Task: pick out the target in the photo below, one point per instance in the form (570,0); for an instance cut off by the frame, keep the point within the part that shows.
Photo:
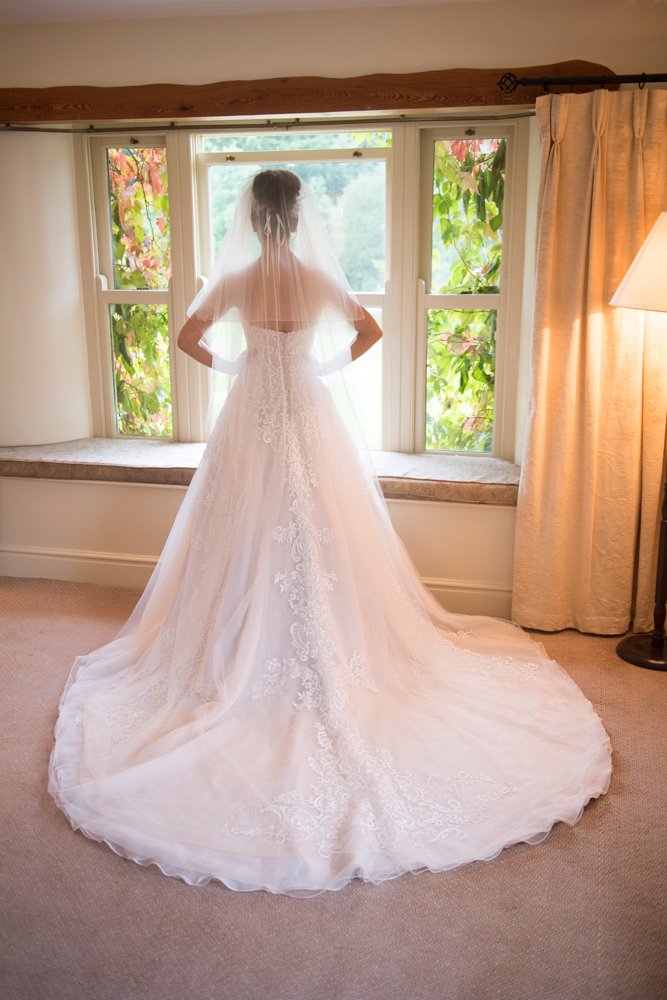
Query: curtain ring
(545,85)
(642,83)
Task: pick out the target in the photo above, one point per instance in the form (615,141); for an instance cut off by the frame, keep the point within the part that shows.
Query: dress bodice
(297,343)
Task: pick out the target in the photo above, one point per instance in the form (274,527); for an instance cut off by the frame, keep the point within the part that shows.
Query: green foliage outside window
(461,355)
(141,247)
(350,194)
(140,336)
(468,199)
(139,206)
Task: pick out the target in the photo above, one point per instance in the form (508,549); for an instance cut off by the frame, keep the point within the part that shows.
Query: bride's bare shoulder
(315,278)
(239,279)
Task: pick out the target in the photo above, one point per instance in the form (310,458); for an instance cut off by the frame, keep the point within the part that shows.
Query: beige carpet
(580,917)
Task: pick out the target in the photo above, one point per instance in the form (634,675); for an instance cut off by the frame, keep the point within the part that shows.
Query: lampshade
(645,284)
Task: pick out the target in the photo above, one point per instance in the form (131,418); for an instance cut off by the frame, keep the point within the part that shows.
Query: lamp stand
(648,649)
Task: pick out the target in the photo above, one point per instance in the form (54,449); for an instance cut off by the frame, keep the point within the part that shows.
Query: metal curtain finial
(508,82)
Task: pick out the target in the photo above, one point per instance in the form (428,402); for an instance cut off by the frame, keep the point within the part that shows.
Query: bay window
(428,224)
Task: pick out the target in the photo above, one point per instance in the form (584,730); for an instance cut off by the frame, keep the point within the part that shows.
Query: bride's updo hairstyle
(275,195)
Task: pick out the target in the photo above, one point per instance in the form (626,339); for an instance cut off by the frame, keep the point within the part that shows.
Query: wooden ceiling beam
(299,95)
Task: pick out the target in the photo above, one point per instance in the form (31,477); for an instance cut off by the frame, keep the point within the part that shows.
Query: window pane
(460,375)
(139,207)
(468,195)
(140,342)
(351,196)
(295,140)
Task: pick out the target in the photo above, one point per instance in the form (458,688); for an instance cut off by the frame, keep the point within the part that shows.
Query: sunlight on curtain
(590,489)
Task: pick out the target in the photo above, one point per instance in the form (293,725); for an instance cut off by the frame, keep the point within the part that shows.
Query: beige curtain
(591,481)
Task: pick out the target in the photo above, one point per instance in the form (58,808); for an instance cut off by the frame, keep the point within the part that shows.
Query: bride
(288,708)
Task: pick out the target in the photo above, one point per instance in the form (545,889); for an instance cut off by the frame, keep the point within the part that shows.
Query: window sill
(440,478)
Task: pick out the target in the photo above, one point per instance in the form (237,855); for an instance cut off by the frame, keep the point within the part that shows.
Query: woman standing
(287,707)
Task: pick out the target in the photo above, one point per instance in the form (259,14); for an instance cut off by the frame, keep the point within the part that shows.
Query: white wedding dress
(288,708)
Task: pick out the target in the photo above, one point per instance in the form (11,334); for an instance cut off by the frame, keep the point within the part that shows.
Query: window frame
(106,294)
(202,161)
(404,300)
(508,300)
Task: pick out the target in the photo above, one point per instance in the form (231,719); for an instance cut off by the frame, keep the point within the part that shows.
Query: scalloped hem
(355,872)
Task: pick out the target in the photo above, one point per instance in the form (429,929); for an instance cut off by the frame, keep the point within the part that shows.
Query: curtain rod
(267,125)
(509,82)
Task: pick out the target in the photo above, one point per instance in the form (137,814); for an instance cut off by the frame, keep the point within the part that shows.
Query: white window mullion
(189,379)
(371,300)
(294,155)
(399,348)
(419,401)
(105,354)
(88,249)
(512,305)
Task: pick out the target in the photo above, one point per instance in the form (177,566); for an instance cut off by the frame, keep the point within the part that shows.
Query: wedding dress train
(288,708)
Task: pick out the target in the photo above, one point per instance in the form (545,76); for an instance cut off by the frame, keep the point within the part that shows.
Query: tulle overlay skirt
(287,707)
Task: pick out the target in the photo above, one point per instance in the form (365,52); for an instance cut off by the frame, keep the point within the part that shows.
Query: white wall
(113,533)
(629,37)
(464,552)
(43,366)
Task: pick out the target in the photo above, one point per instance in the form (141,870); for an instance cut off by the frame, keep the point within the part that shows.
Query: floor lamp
(645,287)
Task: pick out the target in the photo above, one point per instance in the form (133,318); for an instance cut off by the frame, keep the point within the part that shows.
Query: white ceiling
(18,11)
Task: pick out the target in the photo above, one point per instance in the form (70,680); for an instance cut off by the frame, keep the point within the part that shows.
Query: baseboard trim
(77,565)
(132,570)
(474,586)
(82,555)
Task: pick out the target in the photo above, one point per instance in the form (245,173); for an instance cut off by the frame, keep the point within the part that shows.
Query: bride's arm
(189,341)
(342,302)
(368,333)
(217,302)
(213,301)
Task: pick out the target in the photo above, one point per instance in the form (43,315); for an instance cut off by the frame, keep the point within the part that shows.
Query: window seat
(445,478)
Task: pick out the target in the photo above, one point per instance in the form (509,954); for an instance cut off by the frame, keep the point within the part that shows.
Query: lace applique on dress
(282,386)
(360,791)
(506,669)
(278,676)
(358,788)
(308,584)
(124,720)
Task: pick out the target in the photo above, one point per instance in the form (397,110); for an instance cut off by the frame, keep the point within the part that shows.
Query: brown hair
(274,202)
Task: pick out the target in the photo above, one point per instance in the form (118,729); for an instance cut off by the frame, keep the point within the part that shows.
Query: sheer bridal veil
(276,270)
